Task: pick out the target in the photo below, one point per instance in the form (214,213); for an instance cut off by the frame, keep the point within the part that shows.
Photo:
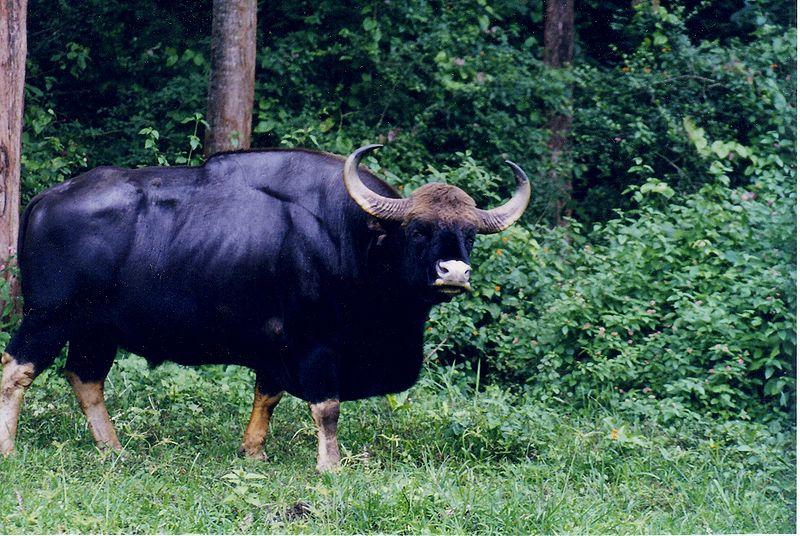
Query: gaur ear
(375,226)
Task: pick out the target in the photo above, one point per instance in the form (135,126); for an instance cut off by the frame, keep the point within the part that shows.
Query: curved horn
(504,216)
(385,208)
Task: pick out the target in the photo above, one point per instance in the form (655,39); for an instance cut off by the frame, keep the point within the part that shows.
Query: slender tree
(13,49)
(559,24)
(233,63)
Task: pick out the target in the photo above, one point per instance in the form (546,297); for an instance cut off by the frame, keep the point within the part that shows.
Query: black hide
(256,258)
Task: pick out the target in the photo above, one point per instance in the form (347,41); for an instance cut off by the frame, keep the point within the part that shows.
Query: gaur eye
(420,233)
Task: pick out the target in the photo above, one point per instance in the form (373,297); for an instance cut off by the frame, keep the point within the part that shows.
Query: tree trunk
(233,64)
(13,49)
(559,23)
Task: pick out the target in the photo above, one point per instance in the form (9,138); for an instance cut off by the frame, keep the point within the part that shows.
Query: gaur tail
(23,225)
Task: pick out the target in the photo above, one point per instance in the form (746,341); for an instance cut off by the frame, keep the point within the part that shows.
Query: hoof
(253,454)
(329,467)
(6,446)
(112,454)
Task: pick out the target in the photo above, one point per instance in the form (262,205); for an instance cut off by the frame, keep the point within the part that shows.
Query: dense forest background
(670,291)
(626,362)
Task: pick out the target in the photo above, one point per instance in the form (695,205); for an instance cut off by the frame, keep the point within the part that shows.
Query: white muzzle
(454,274)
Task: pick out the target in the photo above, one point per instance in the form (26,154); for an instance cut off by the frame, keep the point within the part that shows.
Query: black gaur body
(265,259)
(258,259)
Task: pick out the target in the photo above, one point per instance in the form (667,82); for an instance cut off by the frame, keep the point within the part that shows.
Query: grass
(439,459)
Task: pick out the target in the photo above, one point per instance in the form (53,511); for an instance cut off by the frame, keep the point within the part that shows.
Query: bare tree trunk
(233,64)
(559,24)
(13,49)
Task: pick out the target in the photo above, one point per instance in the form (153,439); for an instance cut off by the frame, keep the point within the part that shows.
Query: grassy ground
(437,460)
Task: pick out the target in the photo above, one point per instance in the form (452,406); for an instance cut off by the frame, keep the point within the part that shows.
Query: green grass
(441,459)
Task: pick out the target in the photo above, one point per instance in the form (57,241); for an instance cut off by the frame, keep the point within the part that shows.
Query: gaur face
(439,223)
(439,231)
(436,258)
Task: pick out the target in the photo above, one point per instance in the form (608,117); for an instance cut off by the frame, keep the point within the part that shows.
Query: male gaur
(307,269)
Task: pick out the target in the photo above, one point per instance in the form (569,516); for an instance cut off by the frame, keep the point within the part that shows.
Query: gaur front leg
(263,406)
(326,419)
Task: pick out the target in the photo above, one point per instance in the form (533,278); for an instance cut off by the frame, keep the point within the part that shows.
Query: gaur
(304,267)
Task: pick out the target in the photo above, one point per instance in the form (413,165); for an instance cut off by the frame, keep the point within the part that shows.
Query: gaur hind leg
(89,359)
(264,402)
(31,350)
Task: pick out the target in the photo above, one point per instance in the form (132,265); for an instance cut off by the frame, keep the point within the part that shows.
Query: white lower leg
(16,380)
(326,419)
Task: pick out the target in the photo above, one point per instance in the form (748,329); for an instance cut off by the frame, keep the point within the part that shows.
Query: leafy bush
(51,152)
(687,303)
(430,80)
(738,90)
(8,314)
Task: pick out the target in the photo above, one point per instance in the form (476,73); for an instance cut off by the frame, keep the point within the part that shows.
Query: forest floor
(435,460)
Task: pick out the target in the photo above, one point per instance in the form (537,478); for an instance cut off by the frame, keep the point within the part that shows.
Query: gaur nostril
(453,271)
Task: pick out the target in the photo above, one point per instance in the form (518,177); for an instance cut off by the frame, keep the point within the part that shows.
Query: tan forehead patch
(442,202)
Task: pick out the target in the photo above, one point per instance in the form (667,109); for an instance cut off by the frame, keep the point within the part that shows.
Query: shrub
(431,80)
(740,89)
(688,303)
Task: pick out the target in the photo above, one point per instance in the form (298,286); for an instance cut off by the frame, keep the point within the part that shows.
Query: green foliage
(429,81)
(50,153)
(9,318)
(674,308)
(183,156)
(739,90)
(432,82)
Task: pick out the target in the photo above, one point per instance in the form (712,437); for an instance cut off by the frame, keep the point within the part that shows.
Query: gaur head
(437,227)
